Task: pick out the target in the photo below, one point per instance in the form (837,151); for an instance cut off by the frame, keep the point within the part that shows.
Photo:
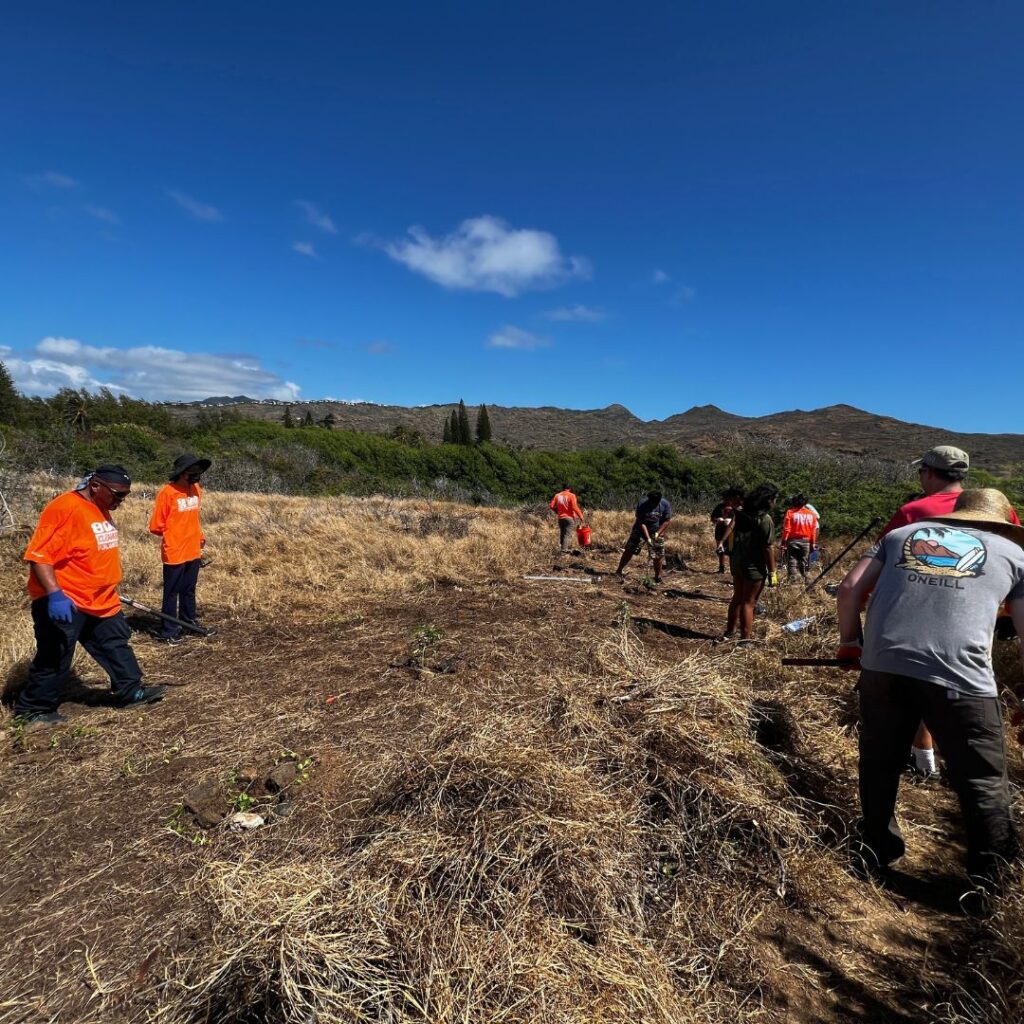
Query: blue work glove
(60,606)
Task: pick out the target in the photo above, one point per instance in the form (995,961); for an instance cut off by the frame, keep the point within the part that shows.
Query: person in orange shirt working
(75,564)
(567,508)
(175,520)
(799,535)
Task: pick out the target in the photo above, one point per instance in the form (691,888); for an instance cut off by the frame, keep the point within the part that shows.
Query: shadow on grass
(694,595)
(671,629)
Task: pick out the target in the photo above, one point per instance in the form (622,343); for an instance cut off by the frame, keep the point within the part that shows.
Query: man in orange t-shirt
(567,508)
(75,562)
(799,535)
(175,521)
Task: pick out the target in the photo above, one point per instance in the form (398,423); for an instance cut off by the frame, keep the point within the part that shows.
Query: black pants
(105,639)
(968,731)
(180,594)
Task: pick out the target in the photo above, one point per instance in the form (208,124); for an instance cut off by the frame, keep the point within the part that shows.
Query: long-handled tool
(139,606)
(831,565)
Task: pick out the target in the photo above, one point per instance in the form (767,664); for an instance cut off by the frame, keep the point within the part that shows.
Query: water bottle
(799,624)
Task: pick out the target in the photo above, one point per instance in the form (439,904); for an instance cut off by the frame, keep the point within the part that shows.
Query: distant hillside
(702,430)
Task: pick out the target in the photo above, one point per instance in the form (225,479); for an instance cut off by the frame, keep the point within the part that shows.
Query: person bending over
(653,515)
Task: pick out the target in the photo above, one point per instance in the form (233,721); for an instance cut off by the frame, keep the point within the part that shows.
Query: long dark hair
(757,502)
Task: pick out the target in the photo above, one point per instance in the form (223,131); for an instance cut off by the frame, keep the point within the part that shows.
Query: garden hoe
(192,627)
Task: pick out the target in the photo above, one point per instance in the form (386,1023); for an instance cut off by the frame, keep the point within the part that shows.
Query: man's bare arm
(859,581)
(46,576)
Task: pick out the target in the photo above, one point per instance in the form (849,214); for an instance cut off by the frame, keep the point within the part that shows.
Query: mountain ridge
(702,429)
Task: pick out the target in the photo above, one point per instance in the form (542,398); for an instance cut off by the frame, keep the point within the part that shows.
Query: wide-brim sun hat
(987,509)
(183,463)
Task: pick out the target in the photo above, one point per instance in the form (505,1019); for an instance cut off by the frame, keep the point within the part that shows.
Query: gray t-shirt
(934,606)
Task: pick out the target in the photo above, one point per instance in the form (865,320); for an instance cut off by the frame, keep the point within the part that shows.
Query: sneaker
(144,695)
(865,868)
(41,718)
(171,641)
(917,777)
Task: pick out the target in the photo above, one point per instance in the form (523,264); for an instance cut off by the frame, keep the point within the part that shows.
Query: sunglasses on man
(115,494)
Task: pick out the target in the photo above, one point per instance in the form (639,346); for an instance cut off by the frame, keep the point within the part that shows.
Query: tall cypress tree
(447,436)
(453,427)
(288,421)
(483,426)
(10,400)
(465,434)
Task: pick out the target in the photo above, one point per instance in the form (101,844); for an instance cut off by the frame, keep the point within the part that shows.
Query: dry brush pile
(598,854)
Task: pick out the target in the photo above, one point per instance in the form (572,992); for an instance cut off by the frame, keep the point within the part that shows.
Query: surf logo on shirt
(106,535)
(189,504)
(943,551)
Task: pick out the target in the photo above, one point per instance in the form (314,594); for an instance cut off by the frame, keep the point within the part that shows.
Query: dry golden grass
(571,818)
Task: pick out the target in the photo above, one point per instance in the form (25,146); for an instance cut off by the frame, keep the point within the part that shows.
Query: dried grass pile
(597,854)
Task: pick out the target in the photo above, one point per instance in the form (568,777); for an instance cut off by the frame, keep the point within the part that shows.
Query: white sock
(924,759)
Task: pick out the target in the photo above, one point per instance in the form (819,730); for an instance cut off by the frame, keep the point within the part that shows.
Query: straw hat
(987,509)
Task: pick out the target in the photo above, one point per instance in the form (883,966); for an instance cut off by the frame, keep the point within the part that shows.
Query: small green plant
(623,615)
(303,766)
(54,742)
(244,802)
(647,582)
(18,730)
(425,637)
(130,765)
(178,825)
(173,751)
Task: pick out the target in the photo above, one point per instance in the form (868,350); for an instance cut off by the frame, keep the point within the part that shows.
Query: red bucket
(583,536)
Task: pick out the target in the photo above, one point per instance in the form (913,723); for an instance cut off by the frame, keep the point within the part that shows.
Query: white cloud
(51,179)
(660,277)
(577,314)
(306,248)
(102,213)
(317,217)
(145,371)
(682,295)
(487,255)
(194,208)
(516,337)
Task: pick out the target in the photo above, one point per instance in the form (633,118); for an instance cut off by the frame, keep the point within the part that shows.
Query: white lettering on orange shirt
(106,535)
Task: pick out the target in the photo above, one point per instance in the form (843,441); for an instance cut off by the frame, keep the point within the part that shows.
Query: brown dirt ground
(97,855)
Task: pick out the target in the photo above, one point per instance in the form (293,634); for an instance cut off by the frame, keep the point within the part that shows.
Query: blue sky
(761,206)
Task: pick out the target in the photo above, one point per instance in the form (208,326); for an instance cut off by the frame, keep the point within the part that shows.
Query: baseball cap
(944,457)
